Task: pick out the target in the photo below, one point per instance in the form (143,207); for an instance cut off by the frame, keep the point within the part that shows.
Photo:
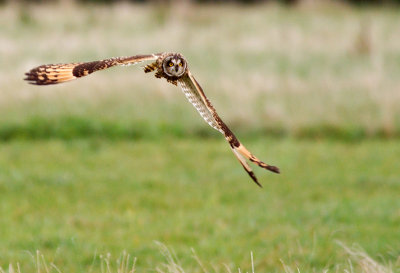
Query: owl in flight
(171,66)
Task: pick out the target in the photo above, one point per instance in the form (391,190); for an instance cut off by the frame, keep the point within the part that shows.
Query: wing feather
(195,99)
(195,94)
(58,73)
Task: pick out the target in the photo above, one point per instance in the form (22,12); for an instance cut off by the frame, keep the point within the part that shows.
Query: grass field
(77,198)
(120,160)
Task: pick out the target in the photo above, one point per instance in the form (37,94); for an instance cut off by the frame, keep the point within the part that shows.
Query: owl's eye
(171,64)
(180,64)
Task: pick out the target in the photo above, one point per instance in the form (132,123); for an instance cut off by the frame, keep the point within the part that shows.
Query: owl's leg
(150,67)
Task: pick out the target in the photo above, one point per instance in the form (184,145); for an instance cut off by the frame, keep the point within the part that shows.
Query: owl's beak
(176,68)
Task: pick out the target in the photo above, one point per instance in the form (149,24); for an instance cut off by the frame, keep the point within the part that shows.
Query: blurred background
(117,160)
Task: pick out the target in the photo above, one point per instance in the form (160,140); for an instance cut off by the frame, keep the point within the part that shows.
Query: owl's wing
(195,94)
(58,73)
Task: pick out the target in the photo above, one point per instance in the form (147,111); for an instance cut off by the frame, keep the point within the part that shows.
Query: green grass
(73,199)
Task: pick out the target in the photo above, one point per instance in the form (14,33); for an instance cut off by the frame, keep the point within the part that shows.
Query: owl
(171,66)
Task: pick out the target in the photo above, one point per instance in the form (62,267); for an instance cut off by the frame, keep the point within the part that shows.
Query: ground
(72,200)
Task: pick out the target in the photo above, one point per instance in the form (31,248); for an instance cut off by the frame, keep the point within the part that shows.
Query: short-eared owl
(171,66)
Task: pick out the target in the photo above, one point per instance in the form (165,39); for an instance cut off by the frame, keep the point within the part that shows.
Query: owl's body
(171,66)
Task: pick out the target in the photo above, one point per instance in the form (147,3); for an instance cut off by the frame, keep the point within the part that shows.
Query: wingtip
(273,169)
(30,81)
(258,184)
(254,178)
(29,78)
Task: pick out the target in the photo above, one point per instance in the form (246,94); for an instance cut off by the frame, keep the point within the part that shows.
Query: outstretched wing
(58,73)
(195,94)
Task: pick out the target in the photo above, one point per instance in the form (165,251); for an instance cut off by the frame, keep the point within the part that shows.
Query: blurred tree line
(288,2)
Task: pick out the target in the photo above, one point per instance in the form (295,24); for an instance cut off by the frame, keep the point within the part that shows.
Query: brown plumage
(58,73)
(171,66)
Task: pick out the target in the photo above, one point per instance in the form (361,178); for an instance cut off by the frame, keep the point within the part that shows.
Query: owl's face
(174,65)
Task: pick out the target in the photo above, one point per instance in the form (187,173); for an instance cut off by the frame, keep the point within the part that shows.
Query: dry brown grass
(357,261)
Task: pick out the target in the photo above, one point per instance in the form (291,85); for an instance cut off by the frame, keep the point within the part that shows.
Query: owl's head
(174,65)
